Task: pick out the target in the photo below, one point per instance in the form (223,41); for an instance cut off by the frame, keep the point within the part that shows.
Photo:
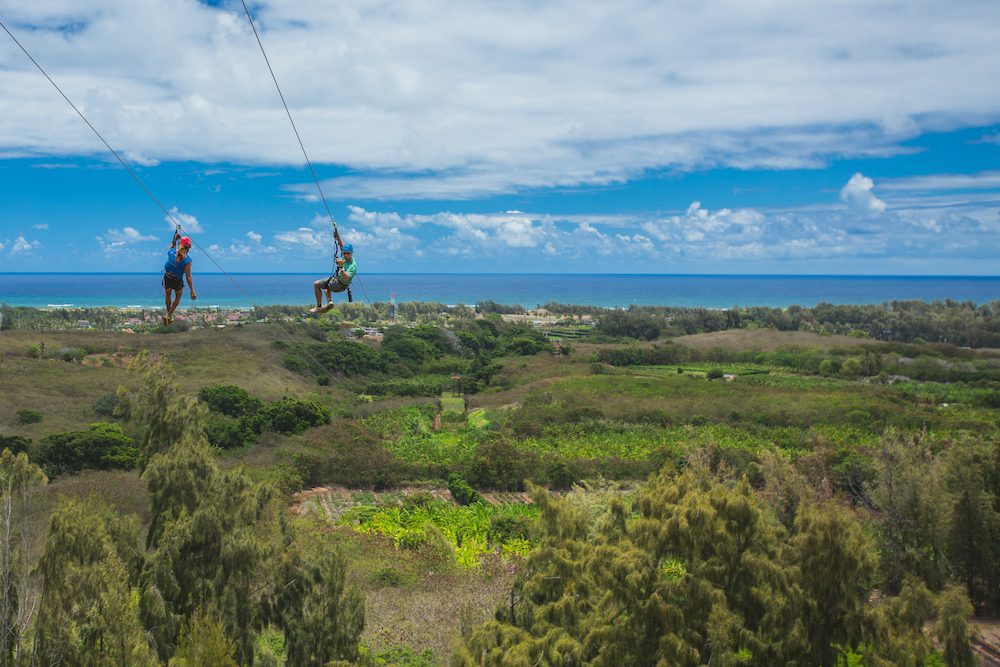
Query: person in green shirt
(338,282)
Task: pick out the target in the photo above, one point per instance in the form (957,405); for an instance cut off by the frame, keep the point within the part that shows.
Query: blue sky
(630,137)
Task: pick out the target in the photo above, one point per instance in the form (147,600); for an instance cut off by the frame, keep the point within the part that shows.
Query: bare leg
(319,296)
(166,301)
(173,306)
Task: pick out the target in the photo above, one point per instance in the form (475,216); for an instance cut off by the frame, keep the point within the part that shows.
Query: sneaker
(170,320)
(165,322)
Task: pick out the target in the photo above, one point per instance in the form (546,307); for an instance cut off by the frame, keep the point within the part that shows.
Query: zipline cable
(156,200)
(274,78)
(84,118)
(290,120)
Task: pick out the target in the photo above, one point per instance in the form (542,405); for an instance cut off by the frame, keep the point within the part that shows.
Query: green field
(372,483)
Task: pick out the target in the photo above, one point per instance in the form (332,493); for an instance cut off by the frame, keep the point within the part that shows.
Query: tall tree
(952,628)
(167,414)
(912,498)
(835,560)
(974,536)
(204,642)
(18,591)
(215,538)
(322,616)
(691,574)
(89,613)
(214,534)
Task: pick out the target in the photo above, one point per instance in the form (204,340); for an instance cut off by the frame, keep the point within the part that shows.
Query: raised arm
(177,236)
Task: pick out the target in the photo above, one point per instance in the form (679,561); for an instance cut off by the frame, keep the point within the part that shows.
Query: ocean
(243,290)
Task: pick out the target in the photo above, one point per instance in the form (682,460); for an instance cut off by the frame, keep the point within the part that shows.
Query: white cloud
(22,245)
(141,160)
(985,180)
(526,95)
(859,196)
(254,236)
(188,222)
(42,226)
(309,238)
(117,239)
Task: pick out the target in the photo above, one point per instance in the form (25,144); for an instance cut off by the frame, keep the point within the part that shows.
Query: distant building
(83,324)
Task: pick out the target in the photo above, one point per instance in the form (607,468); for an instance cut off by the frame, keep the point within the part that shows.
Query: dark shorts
(332,284)
(170,281)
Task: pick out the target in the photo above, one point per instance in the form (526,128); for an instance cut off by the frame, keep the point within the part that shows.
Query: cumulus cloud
(859,196)
(597,97)
(466,232)
(116,239)
(189,223)
(254,236)
(22,245)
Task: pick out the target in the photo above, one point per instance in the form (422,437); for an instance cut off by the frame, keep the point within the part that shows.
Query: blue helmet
(348,248)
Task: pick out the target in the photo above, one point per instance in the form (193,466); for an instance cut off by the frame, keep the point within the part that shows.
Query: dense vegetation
(808,500)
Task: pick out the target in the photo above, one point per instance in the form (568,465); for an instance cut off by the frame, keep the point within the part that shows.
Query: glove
(340,261)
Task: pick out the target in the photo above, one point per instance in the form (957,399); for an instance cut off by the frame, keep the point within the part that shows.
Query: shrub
(388,576)
(501,466)
(715,374)
(342,356)
(630,324)
(561,474)
(102,446)
(657,355)
(228,433)
(411,349)
(230,400)
(28,417)
(355,460)
(523,345)
(461,491)
(503,529)
(71,354)
(294,364)
(431,385)
(829,366)
(15,443)
(289,415)
(107,404)
(851,367)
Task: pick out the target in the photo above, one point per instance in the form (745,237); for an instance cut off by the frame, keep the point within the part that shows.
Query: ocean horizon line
(521,273)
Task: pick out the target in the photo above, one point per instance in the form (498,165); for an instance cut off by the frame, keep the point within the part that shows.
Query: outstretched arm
(177,236)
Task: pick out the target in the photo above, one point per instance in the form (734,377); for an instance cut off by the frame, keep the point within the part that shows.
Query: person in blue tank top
(339,281)
(177,267)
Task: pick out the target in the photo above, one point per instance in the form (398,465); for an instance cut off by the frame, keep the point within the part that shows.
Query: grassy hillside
(374,482)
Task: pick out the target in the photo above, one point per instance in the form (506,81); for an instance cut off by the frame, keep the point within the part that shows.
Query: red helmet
(185,241)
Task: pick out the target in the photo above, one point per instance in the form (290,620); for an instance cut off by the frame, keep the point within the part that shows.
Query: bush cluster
(237,417)
(461,491)
(29,417)
(102,446)
(229,400)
